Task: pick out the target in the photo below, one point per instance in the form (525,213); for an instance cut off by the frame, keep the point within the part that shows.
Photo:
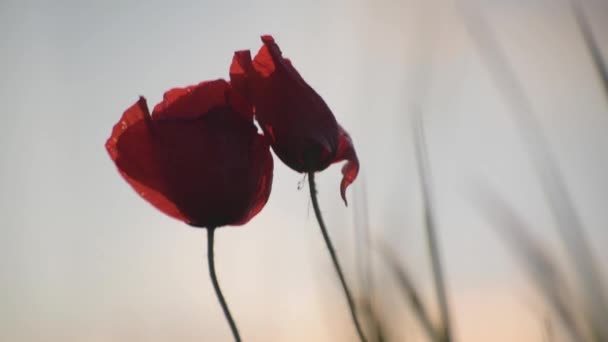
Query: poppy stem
(216,285)
(334,257)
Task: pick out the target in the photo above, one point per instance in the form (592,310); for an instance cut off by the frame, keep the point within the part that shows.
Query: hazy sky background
(83,258)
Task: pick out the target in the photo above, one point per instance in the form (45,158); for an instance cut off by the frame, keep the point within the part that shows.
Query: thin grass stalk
(591,43)
(363,240)
(420,90)
(411,294)
(424,172)
(365,264)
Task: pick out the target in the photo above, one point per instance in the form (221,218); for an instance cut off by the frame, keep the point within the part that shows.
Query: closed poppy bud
(197,158)
(301,128)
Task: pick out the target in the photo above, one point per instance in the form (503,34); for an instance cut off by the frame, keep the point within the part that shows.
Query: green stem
(334,257)
(216,285)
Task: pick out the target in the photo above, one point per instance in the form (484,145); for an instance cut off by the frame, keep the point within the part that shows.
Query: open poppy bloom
(300,126)
(197,158)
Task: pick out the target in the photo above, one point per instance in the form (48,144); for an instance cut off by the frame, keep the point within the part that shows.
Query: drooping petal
(346,151)
(131,146)
(302,129)
(297,122)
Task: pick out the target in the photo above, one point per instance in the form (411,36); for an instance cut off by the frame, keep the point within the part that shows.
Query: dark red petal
(240,70)
(261,169)
(133,150)
(210,163)
(346,151)
(241,63)
(268,56)
(302,129)
(193,101)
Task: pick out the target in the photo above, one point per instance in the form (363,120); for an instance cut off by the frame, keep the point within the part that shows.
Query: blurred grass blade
(548,330)
(363,257)
(552,182)
(365,264)
(424,172)
(431,30)
(590,43)
(410,293)
(540,266)
(373,320)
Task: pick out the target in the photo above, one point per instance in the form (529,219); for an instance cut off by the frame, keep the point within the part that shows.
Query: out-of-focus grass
(577,312)
(591,43)
(570,227)
(412,295)
(440,332)
(542,267)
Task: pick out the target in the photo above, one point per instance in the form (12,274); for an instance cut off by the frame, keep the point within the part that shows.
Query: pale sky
(83,258)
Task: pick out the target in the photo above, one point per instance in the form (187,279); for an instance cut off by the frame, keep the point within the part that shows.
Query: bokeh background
(83,258)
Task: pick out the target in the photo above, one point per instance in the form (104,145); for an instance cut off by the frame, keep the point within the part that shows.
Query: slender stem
(334,257)
(216,285)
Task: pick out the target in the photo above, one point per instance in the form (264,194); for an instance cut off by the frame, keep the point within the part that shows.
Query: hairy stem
(216,285)
(334,257)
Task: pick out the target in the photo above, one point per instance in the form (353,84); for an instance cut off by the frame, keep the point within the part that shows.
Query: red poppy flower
(302,129)
(197,158)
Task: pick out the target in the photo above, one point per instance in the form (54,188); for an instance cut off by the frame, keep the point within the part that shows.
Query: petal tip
(241,63)
(243,54)
(267,38)
(135,113)
(143,104)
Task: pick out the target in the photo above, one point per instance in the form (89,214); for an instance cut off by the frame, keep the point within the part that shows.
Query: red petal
(300,124)
(268,55)
(240,70)
(262,168)
(346,151)
(198,158)
(241,63)
(132,149)
(213,165)
(193,101)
